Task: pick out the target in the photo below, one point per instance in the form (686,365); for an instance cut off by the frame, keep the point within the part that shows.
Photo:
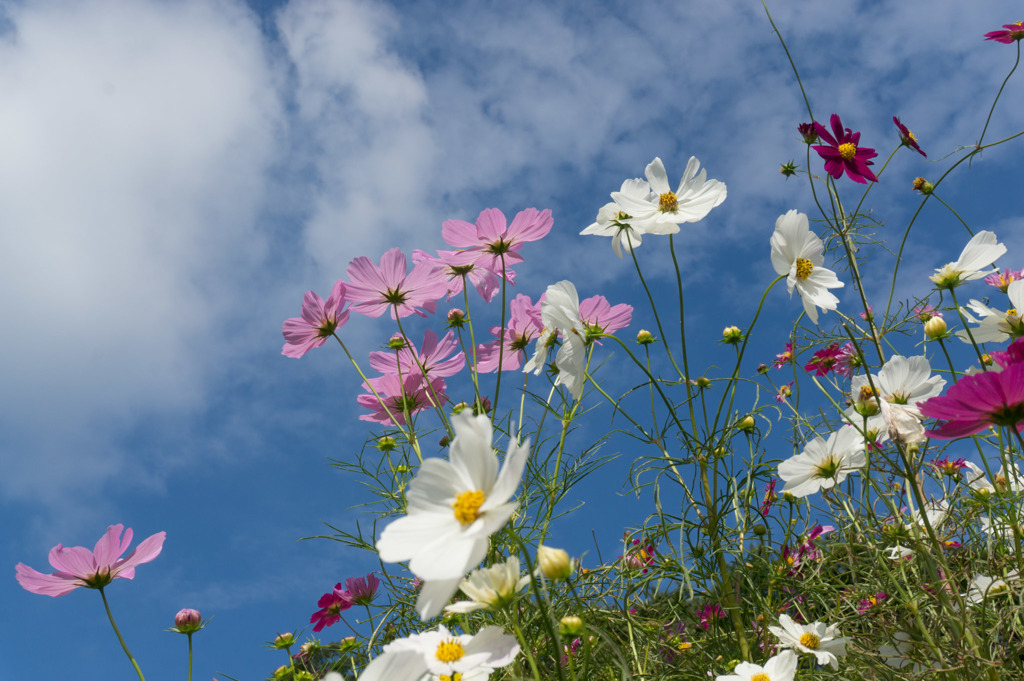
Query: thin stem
(110,616)
(998,94)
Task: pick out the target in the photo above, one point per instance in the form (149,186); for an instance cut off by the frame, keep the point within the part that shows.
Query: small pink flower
(78,566)
(842,154)
(188,621)
(871,602)
(847,361)
(410,393)
(947,467)
(709,613)
(374,290)
(1010,33)
(494,244)
(769,497)
(524,326)
(784,357)
(1002,280)
(331,604)
(361,590)
(432,357)
(640,555)
(318,321)
(823,361)
(926,312)
(907,138)
(600,317)
(784,392)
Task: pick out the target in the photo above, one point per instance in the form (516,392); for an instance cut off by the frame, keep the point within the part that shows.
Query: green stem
(998,94)
(110,616)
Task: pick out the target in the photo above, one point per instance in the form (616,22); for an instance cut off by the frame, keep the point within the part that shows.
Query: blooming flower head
(318,321)
(892,404)
(977,402)
(361,590)
(784,357)
(560,313)
(709,614)
(816,639)
(1011,33)
(798,254)
(842,154)
(663,210)
(391,287)
(948,468)
(984,587)
(784,392)
(78,566)
(907,138)
(400,396)
(639,554)
(1002,280)
(980,252)
(524,326)
(600,317)
(823,463)
(823,361)
(995,326)
(459,267)
(614,221)
(871,602)
(440,654)
(782,667)
(491,587)
(492,243)
(769,497)
(453,507)
(331,604)
(432,358)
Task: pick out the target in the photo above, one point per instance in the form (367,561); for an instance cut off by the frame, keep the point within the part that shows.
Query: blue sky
(175,175)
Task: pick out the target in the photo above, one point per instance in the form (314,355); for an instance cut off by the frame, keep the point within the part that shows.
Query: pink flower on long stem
(841,152)
(361,590)
(410,393)
(374,290)
(318,321)
(331,604)
(78,566)
(601,317)
(784,357)
(989,398)
(709,613)
(823,361)
(907,138)
(494,243)
(1002,280)
(459,266)
(432,358)
(524,326)
(1010,33)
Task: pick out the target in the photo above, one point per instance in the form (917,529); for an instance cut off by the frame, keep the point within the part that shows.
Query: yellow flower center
(847,150)
(866,393)
(804,267)
(454,677)
(467,507)
(760,676)
(1012,312)
(809,640)
(622,216)
(449,651)
(667,202)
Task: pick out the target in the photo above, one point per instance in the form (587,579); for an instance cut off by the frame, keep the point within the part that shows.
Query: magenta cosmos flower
(78,566)
(1010,33)
(907,138)
(318,321)
(989,398)
(361,590)
(331,604)
(373,290)
(841,152)
(494,243)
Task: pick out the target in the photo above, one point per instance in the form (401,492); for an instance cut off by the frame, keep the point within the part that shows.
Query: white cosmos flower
(934,512)
(560,313)
(898,552)
(613,219)
(984,587)
(902,383)
(442,655)
(816,639)
(782,667)
(491,587)
(995,326)
(1012,481)
(664,210)
(980,252)
(823,463)
(898,656)
(453,507)
(798,254)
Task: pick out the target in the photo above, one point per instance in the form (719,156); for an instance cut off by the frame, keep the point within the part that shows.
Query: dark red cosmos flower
(1011,33)
(841,152)
(907,138)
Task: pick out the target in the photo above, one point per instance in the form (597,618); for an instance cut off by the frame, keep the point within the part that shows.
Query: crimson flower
(824,360)
(907,138)
(331,604)
(841,152)
(78,566)
(989,398)
(318,321)
(1011,33)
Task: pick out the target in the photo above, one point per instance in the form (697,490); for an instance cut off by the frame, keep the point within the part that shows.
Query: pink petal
(459,233)
(490,225)
(530,225)
(54,585)
(75,560)
(393,267)
(145,552)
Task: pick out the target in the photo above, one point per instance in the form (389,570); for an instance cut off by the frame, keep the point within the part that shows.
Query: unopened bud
(986,359)
(396,342)
(553,563)
(746,423)
(188,621)
(386,443)
(732,335)
(935,328)
(808,132)
(644,337)
(787,169)
(570,625)
(285,640)
(456,317)
(702,382)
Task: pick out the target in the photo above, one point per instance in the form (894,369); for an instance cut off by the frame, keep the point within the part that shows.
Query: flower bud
(760,530)
(746,423)
(808,132)
(456,317)
(787,169)
(762,369)
(732,335)
(570,625)
(396,342)
(702,382)
(285,640)
(644,337)
(986,359)
(935,328)
(188,621)
(922,185)
(553,563)
(386,443)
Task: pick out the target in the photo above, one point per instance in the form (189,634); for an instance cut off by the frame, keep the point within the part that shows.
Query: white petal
(450,559)
(405,665)
(433,597)
(511,473)
(404,537)
(657,177)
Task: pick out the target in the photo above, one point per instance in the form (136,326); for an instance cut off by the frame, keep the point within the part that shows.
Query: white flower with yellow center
(815,639)
(782,667)
(560,314)
(995,326)
(980,252)
(823,463)
(1003,481)
(492,587)
(453,507)
(663,210)
(984,587)
(613,220)
(442,656)
(798,254)
(901,383)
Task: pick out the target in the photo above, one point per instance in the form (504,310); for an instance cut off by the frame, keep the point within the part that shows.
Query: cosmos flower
(432,358)
(995,326)
(1002,280)
(396,395)
(983,587)
(663,210)
(560,313)
(523,327)
(78,566)
(391,287)
(907,138)
(492,587)
(1011,33)
(842,154)
(458,267)
(798,254)
(600,317)
(980,252)
(331,604)
(871,602)
(318,321)
(823,463)
(361,590)
(440,654)
(824,360)
(782,667)
(614,221)
(492,243)
(977,402)
(785,357)
(816,639)
(453,507)
(901,384)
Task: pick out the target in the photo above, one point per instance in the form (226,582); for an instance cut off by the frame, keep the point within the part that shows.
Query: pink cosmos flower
(1002,280)
(493,243)
(457,267)
(374,290)
(640,555)
(926,312)
(1010,34)
(871,602)
(524,326)
(432,357)
(824,360)
(331,604)
(410,393)
(784,392)
(78,566)
(989,398)
(362,590)
(841,152)
(847,361)
(601,317)
(769,497)
(318,321)
(784,357)
(807,132)
(907,138)
(709,613)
